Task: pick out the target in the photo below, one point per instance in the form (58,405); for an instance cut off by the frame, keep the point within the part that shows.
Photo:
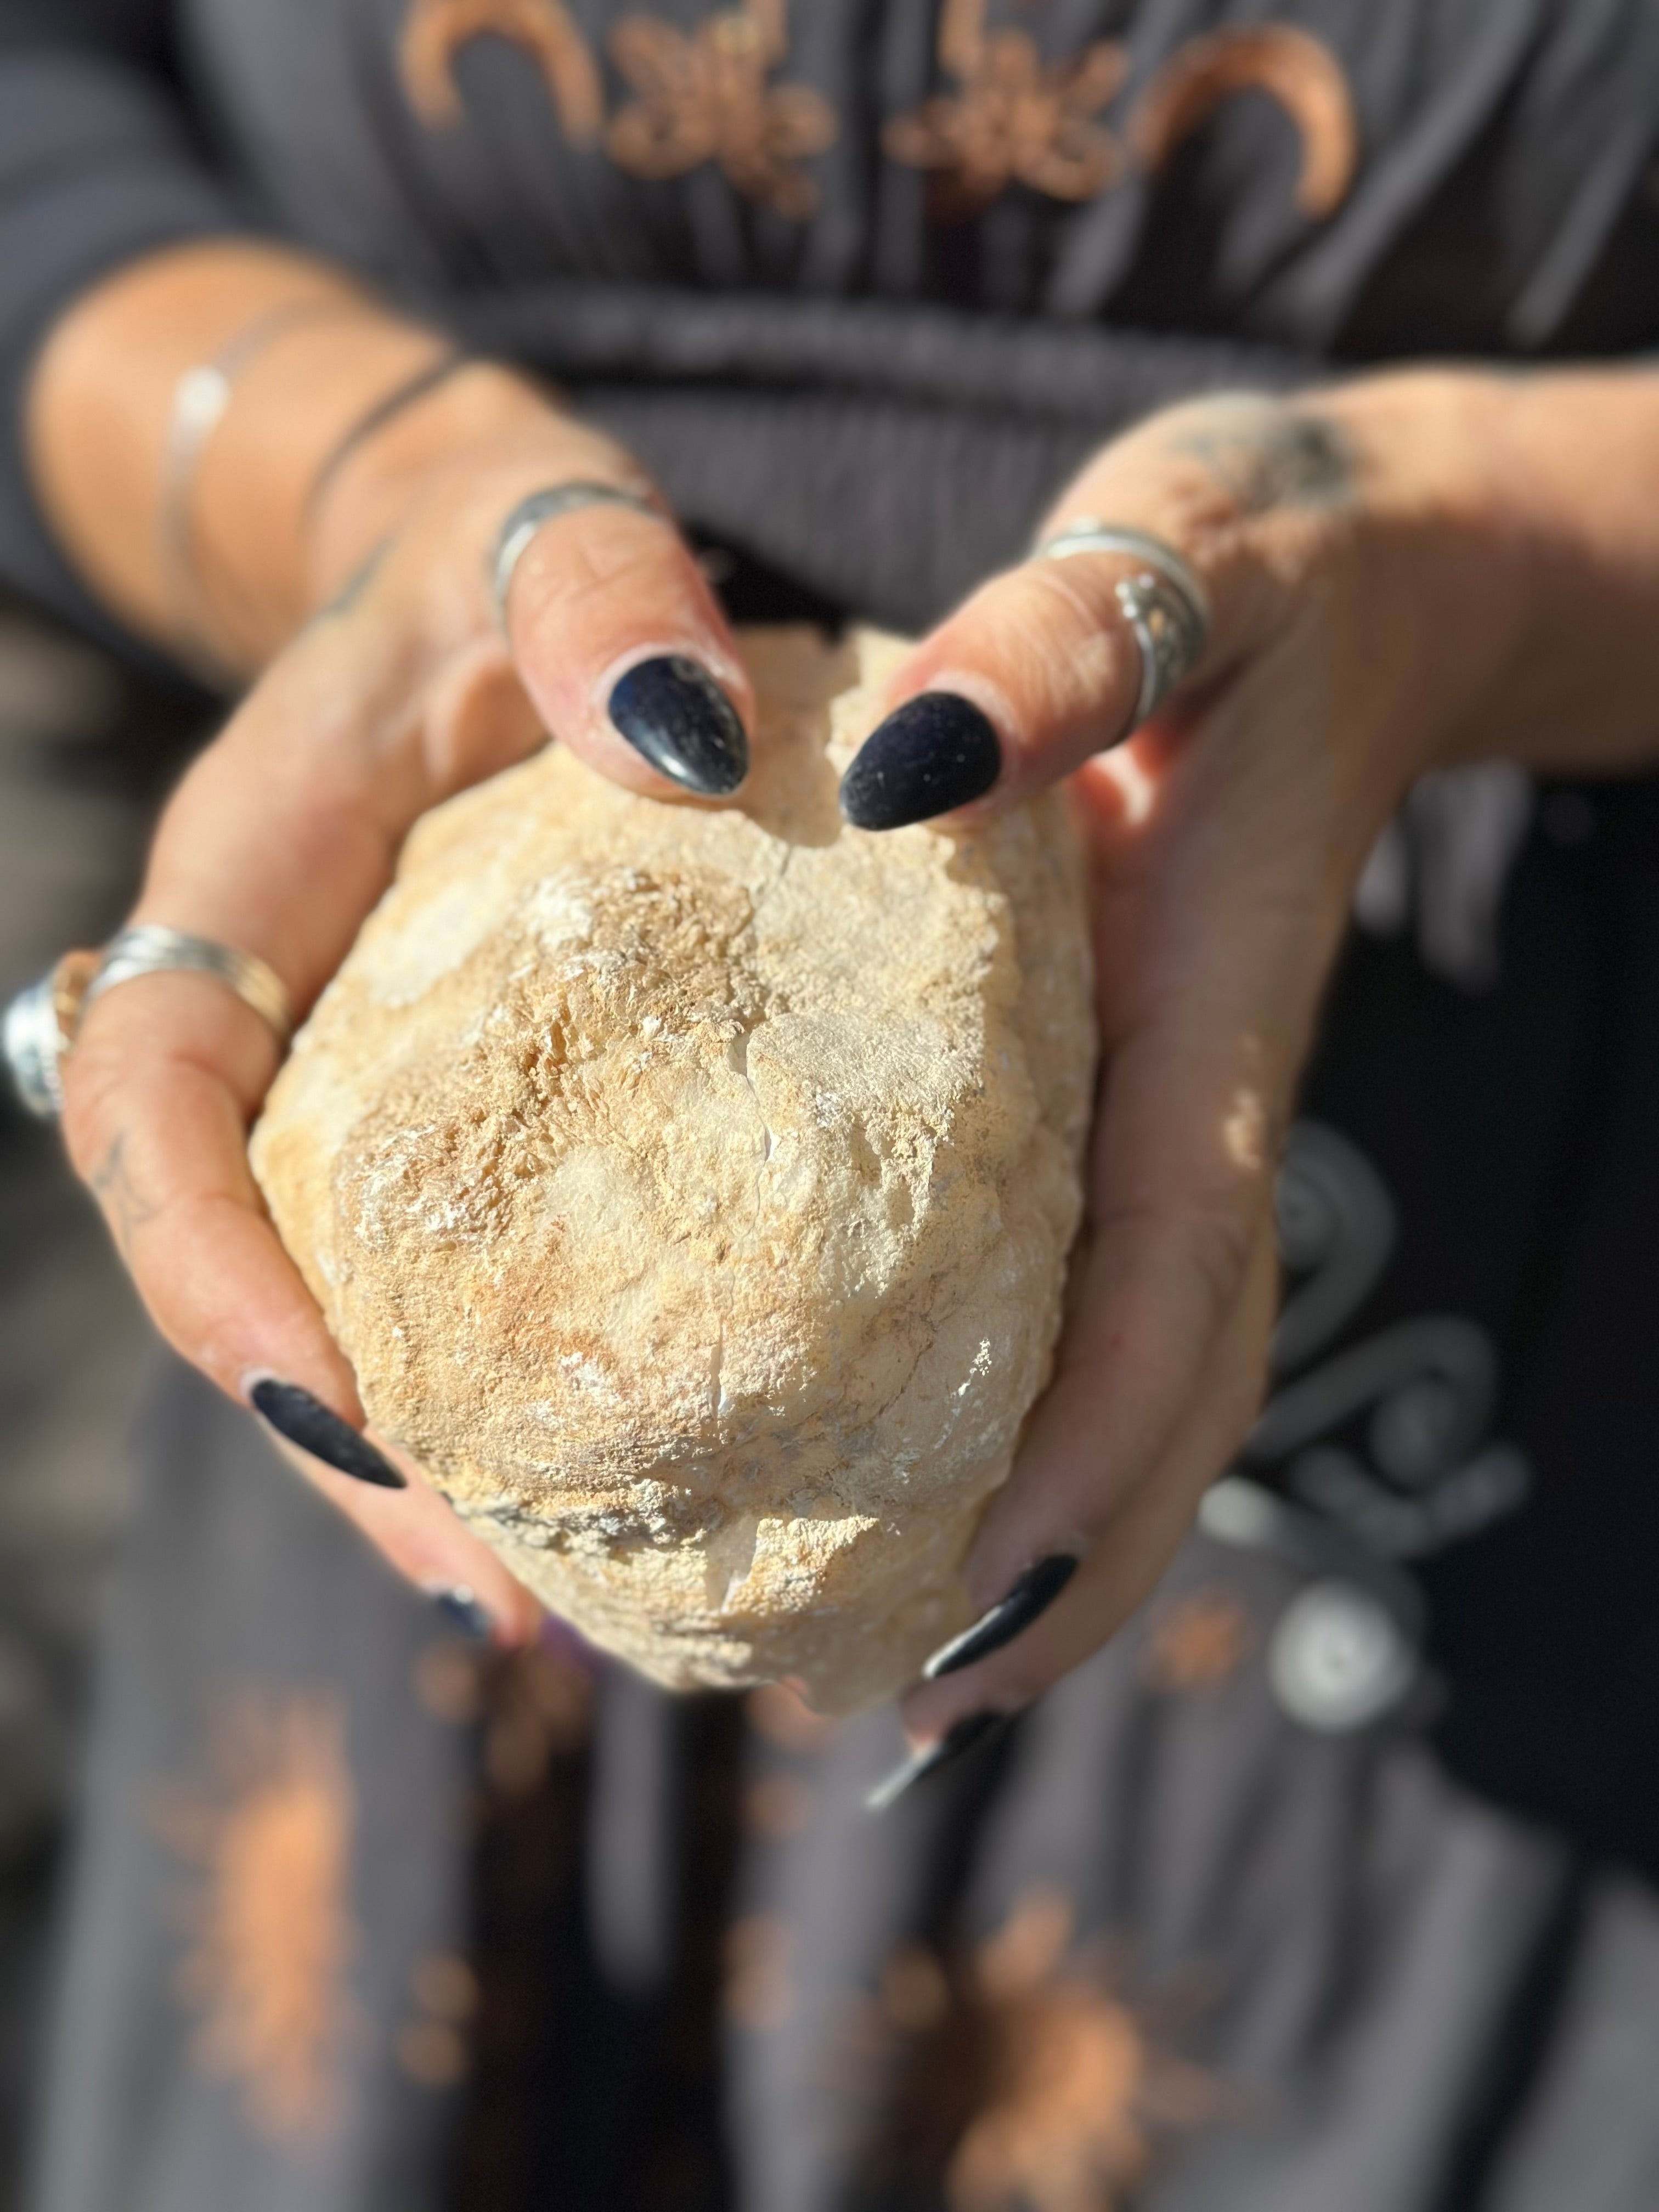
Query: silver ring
(513,539)
(40,1028)
(41,1023)
(1163,604)
(152,949)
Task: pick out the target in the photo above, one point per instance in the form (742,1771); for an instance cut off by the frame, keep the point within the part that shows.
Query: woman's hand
(1389,593)
(401,690)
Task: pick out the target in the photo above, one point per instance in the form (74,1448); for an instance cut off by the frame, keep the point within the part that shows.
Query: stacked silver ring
(1163,602)
(541,507)
(41,1022)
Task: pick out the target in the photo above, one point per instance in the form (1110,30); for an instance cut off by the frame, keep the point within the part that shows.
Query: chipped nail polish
(306,1421)
(674,715)
(972,1729)
(934,753)
(1034,1592)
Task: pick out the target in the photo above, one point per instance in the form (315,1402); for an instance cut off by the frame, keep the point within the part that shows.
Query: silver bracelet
(200,398)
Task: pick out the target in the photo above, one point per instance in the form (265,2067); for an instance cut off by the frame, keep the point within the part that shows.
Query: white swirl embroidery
(1425,1390)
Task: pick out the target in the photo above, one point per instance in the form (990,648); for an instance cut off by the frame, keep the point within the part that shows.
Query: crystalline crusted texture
(691,1188)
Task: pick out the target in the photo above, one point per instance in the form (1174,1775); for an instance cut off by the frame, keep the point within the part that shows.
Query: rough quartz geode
(691,1188)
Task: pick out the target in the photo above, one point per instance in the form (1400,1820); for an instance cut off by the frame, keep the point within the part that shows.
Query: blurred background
(87,752)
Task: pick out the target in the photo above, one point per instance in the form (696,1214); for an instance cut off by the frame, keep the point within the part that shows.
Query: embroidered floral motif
(1198,1642)
(435,30)
(705,98)
(272,1929)
(704,95)
(1015,119)
(1033,2082)
(1295,69)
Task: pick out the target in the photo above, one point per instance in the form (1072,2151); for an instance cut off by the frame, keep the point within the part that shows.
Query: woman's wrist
(221,543)
(1512,540)
(1439,579)
(473,420)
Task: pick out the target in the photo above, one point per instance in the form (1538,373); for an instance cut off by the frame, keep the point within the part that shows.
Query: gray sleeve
(97,165)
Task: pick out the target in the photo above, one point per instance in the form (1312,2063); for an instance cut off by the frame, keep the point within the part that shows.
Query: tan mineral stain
(692,1187)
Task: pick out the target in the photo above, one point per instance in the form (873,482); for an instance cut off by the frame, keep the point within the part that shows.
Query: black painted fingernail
(673,713)
(462,1610)
(935,752)
(1033,1593)
(306,1421)
(968,1731)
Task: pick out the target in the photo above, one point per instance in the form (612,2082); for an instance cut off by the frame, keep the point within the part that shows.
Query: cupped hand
(401,692)
(1224,838)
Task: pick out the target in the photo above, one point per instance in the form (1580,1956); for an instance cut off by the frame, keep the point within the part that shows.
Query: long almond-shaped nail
(934,753)
(1033,1594)
(306,1421)
(973,1728)
(674,715)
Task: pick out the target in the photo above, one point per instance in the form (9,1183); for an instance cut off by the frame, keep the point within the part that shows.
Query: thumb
(1048,663)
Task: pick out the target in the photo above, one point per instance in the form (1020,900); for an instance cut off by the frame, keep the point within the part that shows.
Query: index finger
(1045,664)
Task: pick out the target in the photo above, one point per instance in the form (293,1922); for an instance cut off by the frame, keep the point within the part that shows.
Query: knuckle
(610,553)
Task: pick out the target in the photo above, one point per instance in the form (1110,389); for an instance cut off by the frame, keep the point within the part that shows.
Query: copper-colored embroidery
(435,30)
(271,1920)
(1197,1642)
(1296,71)
(1033,2082)
(1016,119)
(705,98)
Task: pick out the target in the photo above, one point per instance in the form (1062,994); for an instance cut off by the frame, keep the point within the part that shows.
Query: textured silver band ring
(521,525)
(40,1028)
(152,949)
(41,1022)
(1163,604)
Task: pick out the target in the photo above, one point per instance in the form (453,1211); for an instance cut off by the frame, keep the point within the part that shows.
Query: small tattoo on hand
(1274,457)
(355,586)
(126,1207)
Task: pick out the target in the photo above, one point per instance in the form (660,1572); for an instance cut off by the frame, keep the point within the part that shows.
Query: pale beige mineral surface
(691,1189)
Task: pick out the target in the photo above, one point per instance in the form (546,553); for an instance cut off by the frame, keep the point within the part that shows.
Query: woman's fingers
(1043,666)
(622,646)
(1133,1545)
(544,538)
(1210,953)
(278,841)
(158,1094)
(1036,672)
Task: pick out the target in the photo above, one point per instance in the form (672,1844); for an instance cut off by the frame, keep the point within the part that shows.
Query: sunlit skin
(1408,571)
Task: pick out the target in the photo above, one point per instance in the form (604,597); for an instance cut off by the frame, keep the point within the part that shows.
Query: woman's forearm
(101,414)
